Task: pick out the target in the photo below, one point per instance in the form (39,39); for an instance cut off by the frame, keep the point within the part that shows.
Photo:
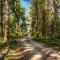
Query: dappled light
(29,51)
(29,29)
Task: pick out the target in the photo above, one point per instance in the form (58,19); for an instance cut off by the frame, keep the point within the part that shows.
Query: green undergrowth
(48,41)
(12,44)
(21,35)
(1,46)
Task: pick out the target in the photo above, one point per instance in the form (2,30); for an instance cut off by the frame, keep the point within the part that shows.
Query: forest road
(31,50)
(38,51)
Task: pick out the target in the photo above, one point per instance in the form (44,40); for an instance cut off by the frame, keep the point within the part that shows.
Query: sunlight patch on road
(36,57)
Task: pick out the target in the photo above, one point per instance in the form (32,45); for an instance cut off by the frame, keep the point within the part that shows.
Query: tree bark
(5,21)
(53,18)
(1,15)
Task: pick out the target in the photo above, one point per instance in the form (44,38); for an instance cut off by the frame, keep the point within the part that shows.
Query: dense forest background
(44,19)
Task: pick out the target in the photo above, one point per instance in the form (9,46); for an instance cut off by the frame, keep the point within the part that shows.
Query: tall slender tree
(1,17)
(5,20)
(53,17)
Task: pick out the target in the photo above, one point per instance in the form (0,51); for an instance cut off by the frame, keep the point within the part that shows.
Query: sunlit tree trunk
(37,19)
(17,19)
(5,20)
(40,20)
(53,18)
(33,23)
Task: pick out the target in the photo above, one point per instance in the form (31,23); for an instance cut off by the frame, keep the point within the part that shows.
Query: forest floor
(31,50)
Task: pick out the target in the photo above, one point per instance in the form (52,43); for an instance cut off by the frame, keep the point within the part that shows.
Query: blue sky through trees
(26,4)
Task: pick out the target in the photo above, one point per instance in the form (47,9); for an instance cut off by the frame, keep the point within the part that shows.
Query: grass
(48,41)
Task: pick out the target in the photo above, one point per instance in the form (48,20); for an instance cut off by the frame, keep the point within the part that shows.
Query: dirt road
(31,50)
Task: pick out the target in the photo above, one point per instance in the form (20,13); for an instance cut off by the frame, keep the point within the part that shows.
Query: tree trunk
(5,20)
(53,18)
(17,22)
(1,15)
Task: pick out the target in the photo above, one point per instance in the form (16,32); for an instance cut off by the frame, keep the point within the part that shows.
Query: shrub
(48,41)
